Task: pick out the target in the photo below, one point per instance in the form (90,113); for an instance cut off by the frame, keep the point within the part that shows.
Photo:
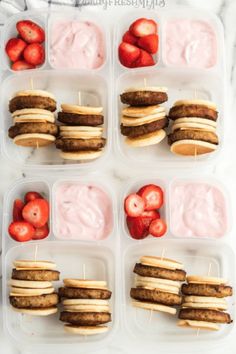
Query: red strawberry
(17,210)
(30,31)
(41,232)
(158,228)
(145,59)
(143,27)
(152,195)
(134,205)
(149,43)
(21,231)
(129,38)
(36,212)
(128,53)
(22,65)
(32,196)
(14,48)
(34,54)
(137,228)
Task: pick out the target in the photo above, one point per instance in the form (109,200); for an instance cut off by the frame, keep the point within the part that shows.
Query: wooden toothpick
(31,83)
(79,98)
(145,82)
(163,253)
(84,271)
(35,252)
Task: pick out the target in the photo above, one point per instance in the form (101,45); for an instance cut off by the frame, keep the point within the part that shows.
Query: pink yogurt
(77,45)
(190,43)
(83,212)
(198,210)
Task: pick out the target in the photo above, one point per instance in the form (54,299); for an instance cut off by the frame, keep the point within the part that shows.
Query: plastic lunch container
(113,258)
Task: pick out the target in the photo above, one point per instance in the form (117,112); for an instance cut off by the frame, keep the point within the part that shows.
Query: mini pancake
(154,307)
(40,301)
(198,325)
(206,103)
(75,302)
(134,122)
(29,264)
(205,315)
(33,128)
(29,111)
(192,126)
(142,130)
(37,312)
(31,292)
(155,296)
(159,284)
(146,139)
(34,140)
(157,272)
(211,290)
(74,145)
(33,115)
(80,119)
(86,110)
(204,303)
(81,155)
(84,293)
(141,112)
(86,284)
(195,279)
(192,147)
(144,96)
(206,123)
(81,132)
(87,308)
(32,99)
(161,262)
(30,284)
(85,318)
(193,110)
(85,330)
(35,275)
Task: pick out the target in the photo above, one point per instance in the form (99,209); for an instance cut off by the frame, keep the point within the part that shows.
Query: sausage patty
(21,102)
(209,137)
(193,110)
(36,275)
(219,291)
(155,296)
(82,293)
(155,272)
(85,318)
(80,119)
(32,302)
(32,128)
(143,98)
(80,144)
(139,130)
(205,315)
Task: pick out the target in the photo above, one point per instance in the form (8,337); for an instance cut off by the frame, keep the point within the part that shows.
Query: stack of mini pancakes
(204,303)
(194,127)
(144,120)
(31,290)
(81,133)
(33,117)
(86,306)
(158,284)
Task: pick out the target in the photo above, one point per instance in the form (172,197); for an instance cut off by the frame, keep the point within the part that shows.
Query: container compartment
(198,257)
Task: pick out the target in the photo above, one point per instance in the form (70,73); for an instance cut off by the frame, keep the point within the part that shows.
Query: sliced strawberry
(21,231)
(32,196)
(153,196)
(137,228)
(145,59)
(41,232)
(14,48)
(17,210)
(30,31)
(157,228)
(149,43)
(143,27)
(128,54)
(148,216)
(22,65)
(134,205)
(129,38)
(36,212)
(34,54)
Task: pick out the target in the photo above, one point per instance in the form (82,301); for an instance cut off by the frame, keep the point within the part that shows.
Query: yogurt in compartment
(190,43)
(198,209)
(82,212)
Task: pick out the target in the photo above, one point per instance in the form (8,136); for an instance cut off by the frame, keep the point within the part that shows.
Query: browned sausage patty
(143,98)
(79,293)
(32,128)
(155,272)
(31,302)
(80,119)
(205,315)
(21,102)
(85,318)
(80,144)
(219,291)
(36,275)
(139,130)
(192,110)
(209,137)
(155,296)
